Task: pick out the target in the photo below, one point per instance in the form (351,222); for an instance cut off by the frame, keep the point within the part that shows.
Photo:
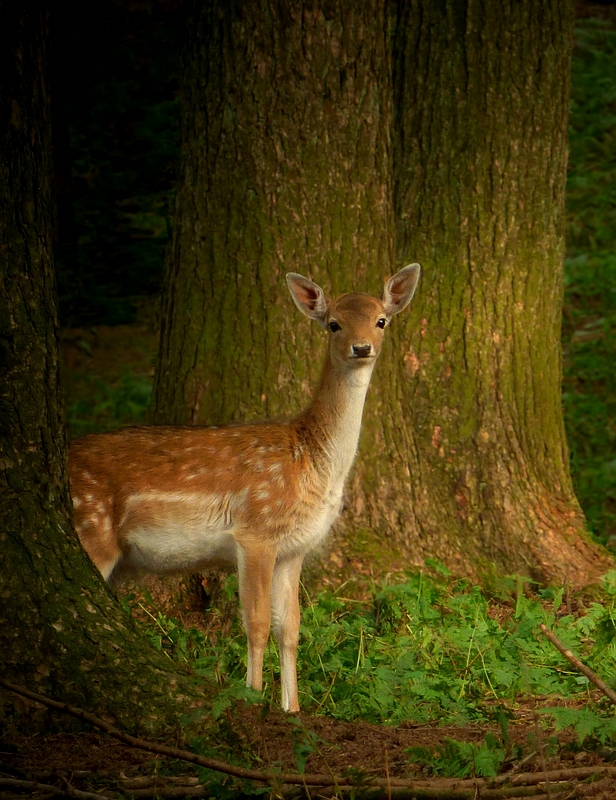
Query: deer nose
(361,350)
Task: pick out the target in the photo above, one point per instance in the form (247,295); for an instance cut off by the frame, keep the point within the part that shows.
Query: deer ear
(399,290)
(308,297)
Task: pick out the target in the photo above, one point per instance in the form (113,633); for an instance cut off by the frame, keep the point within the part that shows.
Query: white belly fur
(175,547)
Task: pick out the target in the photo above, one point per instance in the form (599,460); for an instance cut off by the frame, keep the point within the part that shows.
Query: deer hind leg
(285,621)
(255,568)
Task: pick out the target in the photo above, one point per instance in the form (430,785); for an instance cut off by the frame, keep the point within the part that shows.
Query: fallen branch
(399,788)
(592,677)
(34,786)
(163,786)
(170,791)
(562,793)
(147,781)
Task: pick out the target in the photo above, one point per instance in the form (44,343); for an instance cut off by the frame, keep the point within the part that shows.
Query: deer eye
(333,326)
(381,323)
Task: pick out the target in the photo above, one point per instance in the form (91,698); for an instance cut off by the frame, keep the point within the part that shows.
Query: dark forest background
(115,69)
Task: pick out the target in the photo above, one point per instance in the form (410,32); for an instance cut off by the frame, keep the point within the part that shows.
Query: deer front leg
(285,621)
(255,568)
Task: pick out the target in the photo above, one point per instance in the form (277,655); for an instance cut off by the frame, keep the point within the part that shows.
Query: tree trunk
(482,94)
(285,167)
(61,630)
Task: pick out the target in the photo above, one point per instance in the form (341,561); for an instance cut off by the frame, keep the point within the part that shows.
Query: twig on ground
(517,767)
(34,786)
(592,677)
(170,791)
(162,786)
(541,750)
(147,781)
(399,793)
(387,772)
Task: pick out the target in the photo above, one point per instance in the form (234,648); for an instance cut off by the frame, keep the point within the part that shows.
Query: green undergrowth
(459,759)
(104,406)
(429,649)
(589,394)
(589,323)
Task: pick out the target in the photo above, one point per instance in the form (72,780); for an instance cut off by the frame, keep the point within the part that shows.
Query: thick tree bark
(285,167)
(61,630)
(482,93)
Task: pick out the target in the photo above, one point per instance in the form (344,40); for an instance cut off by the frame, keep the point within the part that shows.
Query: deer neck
(333,420)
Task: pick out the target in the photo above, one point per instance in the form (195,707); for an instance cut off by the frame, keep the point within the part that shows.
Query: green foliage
(219,785)
(589,395)
(458,759)
(428,650)
(591,192)
(589,330)
(101,406)
(585,722)
(226,698)
(424,650)
(305,743)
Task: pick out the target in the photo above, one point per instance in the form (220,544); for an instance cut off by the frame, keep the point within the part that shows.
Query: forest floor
(547,764)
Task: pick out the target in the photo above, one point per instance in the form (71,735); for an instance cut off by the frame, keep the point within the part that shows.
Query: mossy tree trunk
(61,630)
(285,129)
(287,165)
(481,98)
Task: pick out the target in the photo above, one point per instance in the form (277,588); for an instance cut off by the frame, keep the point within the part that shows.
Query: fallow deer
(255,496)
